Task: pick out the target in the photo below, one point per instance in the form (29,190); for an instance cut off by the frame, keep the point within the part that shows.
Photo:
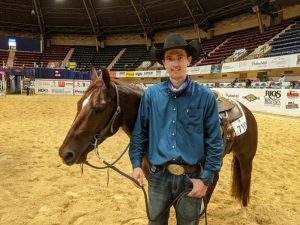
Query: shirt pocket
(192,119)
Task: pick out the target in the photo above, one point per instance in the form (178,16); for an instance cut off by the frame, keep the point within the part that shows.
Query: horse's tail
(238,189)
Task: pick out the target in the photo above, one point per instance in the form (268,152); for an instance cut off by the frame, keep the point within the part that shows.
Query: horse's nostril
(69,156)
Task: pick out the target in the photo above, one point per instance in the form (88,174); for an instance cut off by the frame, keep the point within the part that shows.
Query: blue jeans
(163,188)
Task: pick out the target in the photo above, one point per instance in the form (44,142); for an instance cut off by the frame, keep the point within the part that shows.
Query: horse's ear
(94,75)
(105,77)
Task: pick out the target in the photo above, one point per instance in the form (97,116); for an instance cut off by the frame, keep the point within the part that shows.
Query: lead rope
(108,165)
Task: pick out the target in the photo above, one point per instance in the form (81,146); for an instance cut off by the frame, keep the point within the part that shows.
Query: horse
(109,104)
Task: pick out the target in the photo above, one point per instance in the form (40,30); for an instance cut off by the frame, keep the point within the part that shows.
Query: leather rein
(98,138)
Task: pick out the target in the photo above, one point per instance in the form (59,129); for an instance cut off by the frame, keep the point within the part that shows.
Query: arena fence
(2,86)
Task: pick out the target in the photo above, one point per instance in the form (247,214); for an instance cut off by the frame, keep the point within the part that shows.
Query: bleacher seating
(3,57)
(211,44)
(105,56)
(54,53)
(83,56)
(26,59)
(132,57)
(248,39)
(288,42)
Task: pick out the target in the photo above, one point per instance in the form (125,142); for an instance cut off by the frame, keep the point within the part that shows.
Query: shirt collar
(178,91)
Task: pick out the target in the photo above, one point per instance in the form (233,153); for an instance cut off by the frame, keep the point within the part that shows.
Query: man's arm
(140,134)
(213,142)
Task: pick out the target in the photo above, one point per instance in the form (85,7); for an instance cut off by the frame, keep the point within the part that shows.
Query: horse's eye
(96,110)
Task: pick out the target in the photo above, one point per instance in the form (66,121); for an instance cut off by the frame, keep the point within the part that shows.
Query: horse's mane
(127,88)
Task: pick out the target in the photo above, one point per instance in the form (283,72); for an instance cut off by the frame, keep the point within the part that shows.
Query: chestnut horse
(109,104)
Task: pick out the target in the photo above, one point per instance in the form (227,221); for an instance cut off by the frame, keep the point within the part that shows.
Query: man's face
(176,61)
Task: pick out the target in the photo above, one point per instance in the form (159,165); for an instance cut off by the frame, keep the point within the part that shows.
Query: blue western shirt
(182,129)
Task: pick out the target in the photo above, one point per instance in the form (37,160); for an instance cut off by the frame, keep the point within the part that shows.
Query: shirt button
(173,146)
(173,121)
(173,134)
(174,109)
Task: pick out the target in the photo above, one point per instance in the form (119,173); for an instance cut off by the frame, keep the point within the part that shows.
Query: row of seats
(248,39)
(3,57)
(29,59)
(288,42)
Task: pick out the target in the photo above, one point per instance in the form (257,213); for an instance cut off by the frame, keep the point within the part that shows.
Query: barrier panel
(276,101)
(2,84)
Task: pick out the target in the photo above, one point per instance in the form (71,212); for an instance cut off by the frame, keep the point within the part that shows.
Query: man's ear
(189,58)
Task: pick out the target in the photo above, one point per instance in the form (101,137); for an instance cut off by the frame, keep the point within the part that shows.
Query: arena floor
(37,188)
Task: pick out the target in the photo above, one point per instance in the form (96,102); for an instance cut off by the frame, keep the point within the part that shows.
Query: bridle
(98,138)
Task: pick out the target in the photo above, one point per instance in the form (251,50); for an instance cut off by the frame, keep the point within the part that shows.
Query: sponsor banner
(80,86)
(112,73)
(216,68)
(53,91)
(205,69)
(229,67)
(195,70)
(258,64)
(120,73)
(129,73)
(150,73)
(161,73)
(138,73)
(243,65)
(294,60)
(49,83)
(278,62)
(282,102)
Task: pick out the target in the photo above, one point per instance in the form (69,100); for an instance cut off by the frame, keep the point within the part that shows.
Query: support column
(258,14)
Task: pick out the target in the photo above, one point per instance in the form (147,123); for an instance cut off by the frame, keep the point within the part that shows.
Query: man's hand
(138,175)
(199,189)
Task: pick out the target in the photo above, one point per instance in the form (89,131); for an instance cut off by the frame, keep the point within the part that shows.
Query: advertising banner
(80,86)
(294,60)
(129,73)
(276,101)
(278,62)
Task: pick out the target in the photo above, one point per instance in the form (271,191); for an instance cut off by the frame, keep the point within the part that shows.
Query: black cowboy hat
(173,41)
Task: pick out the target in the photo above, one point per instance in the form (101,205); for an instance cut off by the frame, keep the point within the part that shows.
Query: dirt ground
(37,188)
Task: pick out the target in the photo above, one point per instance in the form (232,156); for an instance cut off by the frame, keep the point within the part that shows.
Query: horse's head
(97,116)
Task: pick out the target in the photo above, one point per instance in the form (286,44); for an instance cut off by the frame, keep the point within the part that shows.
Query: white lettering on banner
(240,126)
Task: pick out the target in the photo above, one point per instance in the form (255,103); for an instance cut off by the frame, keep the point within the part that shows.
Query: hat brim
(193,49)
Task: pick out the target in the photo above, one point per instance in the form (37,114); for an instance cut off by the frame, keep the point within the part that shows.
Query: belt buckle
(175,169)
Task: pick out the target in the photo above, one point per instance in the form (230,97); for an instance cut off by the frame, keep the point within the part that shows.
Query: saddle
(229,111)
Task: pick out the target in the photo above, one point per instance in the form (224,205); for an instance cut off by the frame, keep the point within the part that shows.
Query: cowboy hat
(174,41)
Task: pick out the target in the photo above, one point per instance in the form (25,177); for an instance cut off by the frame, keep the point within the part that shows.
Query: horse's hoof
(243,212)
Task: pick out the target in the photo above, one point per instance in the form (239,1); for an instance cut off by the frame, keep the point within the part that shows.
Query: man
(297,85)
(282,78)
(178,129)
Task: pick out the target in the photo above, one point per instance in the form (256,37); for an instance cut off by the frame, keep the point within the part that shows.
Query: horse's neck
(129,103)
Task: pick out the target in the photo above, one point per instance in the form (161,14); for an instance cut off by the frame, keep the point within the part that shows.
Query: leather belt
(178,170)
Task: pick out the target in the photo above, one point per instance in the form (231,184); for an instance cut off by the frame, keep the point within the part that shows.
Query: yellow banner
(129,74)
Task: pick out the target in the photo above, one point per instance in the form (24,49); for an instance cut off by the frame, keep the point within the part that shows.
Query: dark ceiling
(101,17)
